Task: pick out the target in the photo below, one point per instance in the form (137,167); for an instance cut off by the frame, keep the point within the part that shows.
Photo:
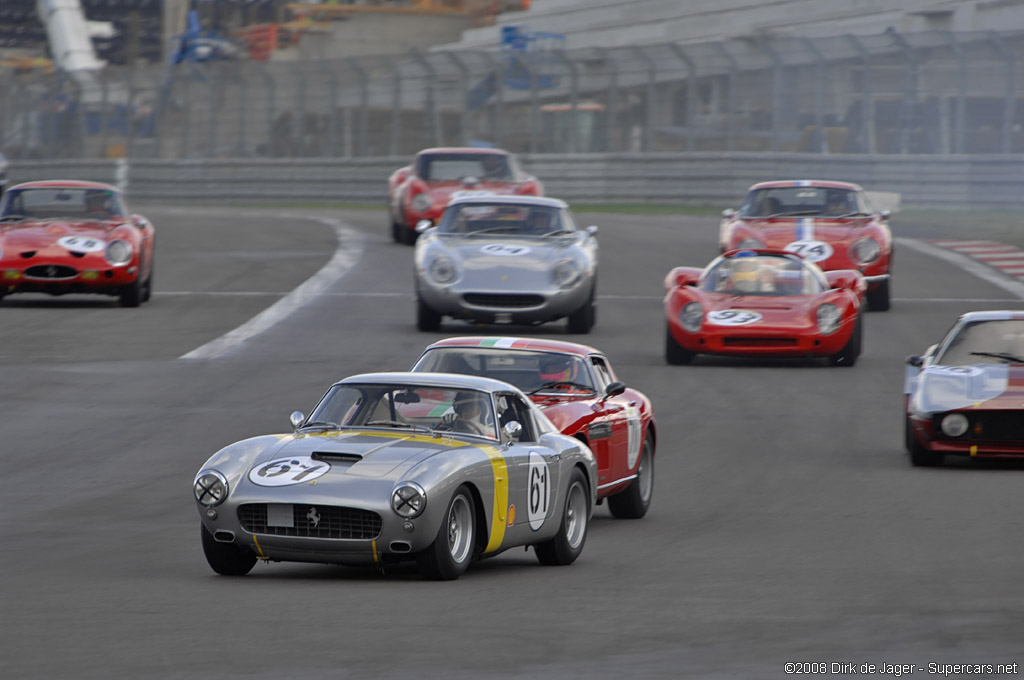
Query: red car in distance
(763,303)
(576,388)
(832,224)
(421,190)
(67,236)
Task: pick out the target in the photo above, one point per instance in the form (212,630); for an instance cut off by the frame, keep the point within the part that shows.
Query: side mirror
(296,419)
(139,221)
(512,431)
(423,225)
(884,215)
(915,360)
(729,213)
(614,388)
(591,230)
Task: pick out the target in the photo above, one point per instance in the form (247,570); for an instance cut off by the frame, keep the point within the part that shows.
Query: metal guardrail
(923,181)
(935,92)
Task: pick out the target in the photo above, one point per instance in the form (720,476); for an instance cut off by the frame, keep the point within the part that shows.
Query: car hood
(503,252)
(778,233)
(37,234)
(449,190)
(360,453)
(981,387)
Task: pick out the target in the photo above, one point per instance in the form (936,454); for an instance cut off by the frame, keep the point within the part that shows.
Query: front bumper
(927,433)
(502,302)
(58,278)
(763,341)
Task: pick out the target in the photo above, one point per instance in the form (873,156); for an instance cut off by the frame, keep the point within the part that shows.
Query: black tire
(426,318)
(676,354)
(879,299)
(448,557)
(131,295)
(848,355)
(568,543)
(396,229)
(227,559)
(582,320)
(147,287)
(919,455)
(409,236)
(636,499)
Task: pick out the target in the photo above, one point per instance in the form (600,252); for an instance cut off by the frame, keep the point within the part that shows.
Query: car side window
(602,371)
(512,409)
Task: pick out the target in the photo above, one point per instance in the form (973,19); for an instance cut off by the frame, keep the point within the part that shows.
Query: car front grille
(759,342)
(313,521)
(502,300)
(987,426)
(51,272)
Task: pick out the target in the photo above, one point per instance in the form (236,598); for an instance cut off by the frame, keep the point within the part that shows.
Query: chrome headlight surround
(566,273)
(865,251)
(119,252)
(442,270)
(408,500)
(749,243)
(421,203)
(828,316)
(954,424)
(210,488)
(691,316)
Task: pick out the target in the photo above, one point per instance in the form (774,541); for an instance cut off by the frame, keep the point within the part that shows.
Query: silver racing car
(506,260)
(390,466)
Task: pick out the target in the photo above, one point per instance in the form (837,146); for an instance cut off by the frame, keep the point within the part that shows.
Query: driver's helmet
(538,221)
(96,202)
(745,272)
(469,405)
(837,203)
(556,368)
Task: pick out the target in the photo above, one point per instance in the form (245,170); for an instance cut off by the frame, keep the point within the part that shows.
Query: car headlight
(865,251)
(210,488)
(691,316)
(566,274)
(442,269)
(408,500)
(749,243)
(828,318)
(119,252)
(421,202)
(954,424)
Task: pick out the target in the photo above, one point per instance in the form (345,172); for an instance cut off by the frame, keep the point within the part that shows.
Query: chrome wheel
(576,516)
(460,529)
(645,473)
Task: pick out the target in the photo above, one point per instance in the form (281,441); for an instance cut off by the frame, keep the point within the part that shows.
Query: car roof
(491,199)
(820,183)
(65,184)
(992,315)
(463,149)
(453,381)
(536,344)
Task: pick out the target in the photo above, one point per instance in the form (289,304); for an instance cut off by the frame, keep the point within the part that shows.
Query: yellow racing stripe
(258,548)
(500,470)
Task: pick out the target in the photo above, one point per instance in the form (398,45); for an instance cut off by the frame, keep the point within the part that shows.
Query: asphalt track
(787,524)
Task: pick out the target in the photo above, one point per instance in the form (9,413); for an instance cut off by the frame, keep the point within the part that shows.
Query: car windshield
(998,341)
(453,167)
(769,275)
(61,203)
(406,407)
(482,218)
(530,371)
(804,202)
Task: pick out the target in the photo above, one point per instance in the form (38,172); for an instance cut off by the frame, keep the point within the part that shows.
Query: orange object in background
(260,40)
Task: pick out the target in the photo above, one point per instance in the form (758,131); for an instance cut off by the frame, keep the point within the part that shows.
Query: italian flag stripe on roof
(498,342)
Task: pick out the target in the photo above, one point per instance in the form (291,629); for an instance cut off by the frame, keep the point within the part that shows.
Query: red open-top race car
(833,224)
(577,390)
(64,236)
(421,190)
(763,303)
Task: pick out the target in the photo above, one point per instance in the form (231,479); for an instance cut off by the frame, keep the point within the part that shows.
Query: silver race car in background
(506,260)
(390,466)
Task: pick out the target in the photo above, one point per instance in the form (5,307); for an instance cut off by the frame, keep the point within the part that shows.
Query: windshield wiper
(323,424)
(853,214)
(561,383)
(1005,356)
(560,232)
(491,230)
(399,423)
(11,217)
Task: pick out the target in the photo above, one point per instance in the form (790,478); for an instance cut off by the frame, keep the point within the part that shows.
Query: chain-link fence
(932,93)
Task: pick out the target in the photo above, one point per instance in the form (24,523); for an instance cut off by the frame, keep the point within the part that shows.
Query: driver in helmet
(468,415)
(745,274)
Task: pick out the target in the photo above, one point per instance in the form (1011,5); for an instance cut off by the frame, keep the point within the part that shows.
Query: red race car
(965,395)
(62,237)
(576,388)
(763,303)
(421,191)
(830,223)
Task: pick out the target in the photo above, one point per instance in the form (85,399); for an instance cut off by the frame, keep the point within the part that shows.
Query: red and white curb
(1000,256)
